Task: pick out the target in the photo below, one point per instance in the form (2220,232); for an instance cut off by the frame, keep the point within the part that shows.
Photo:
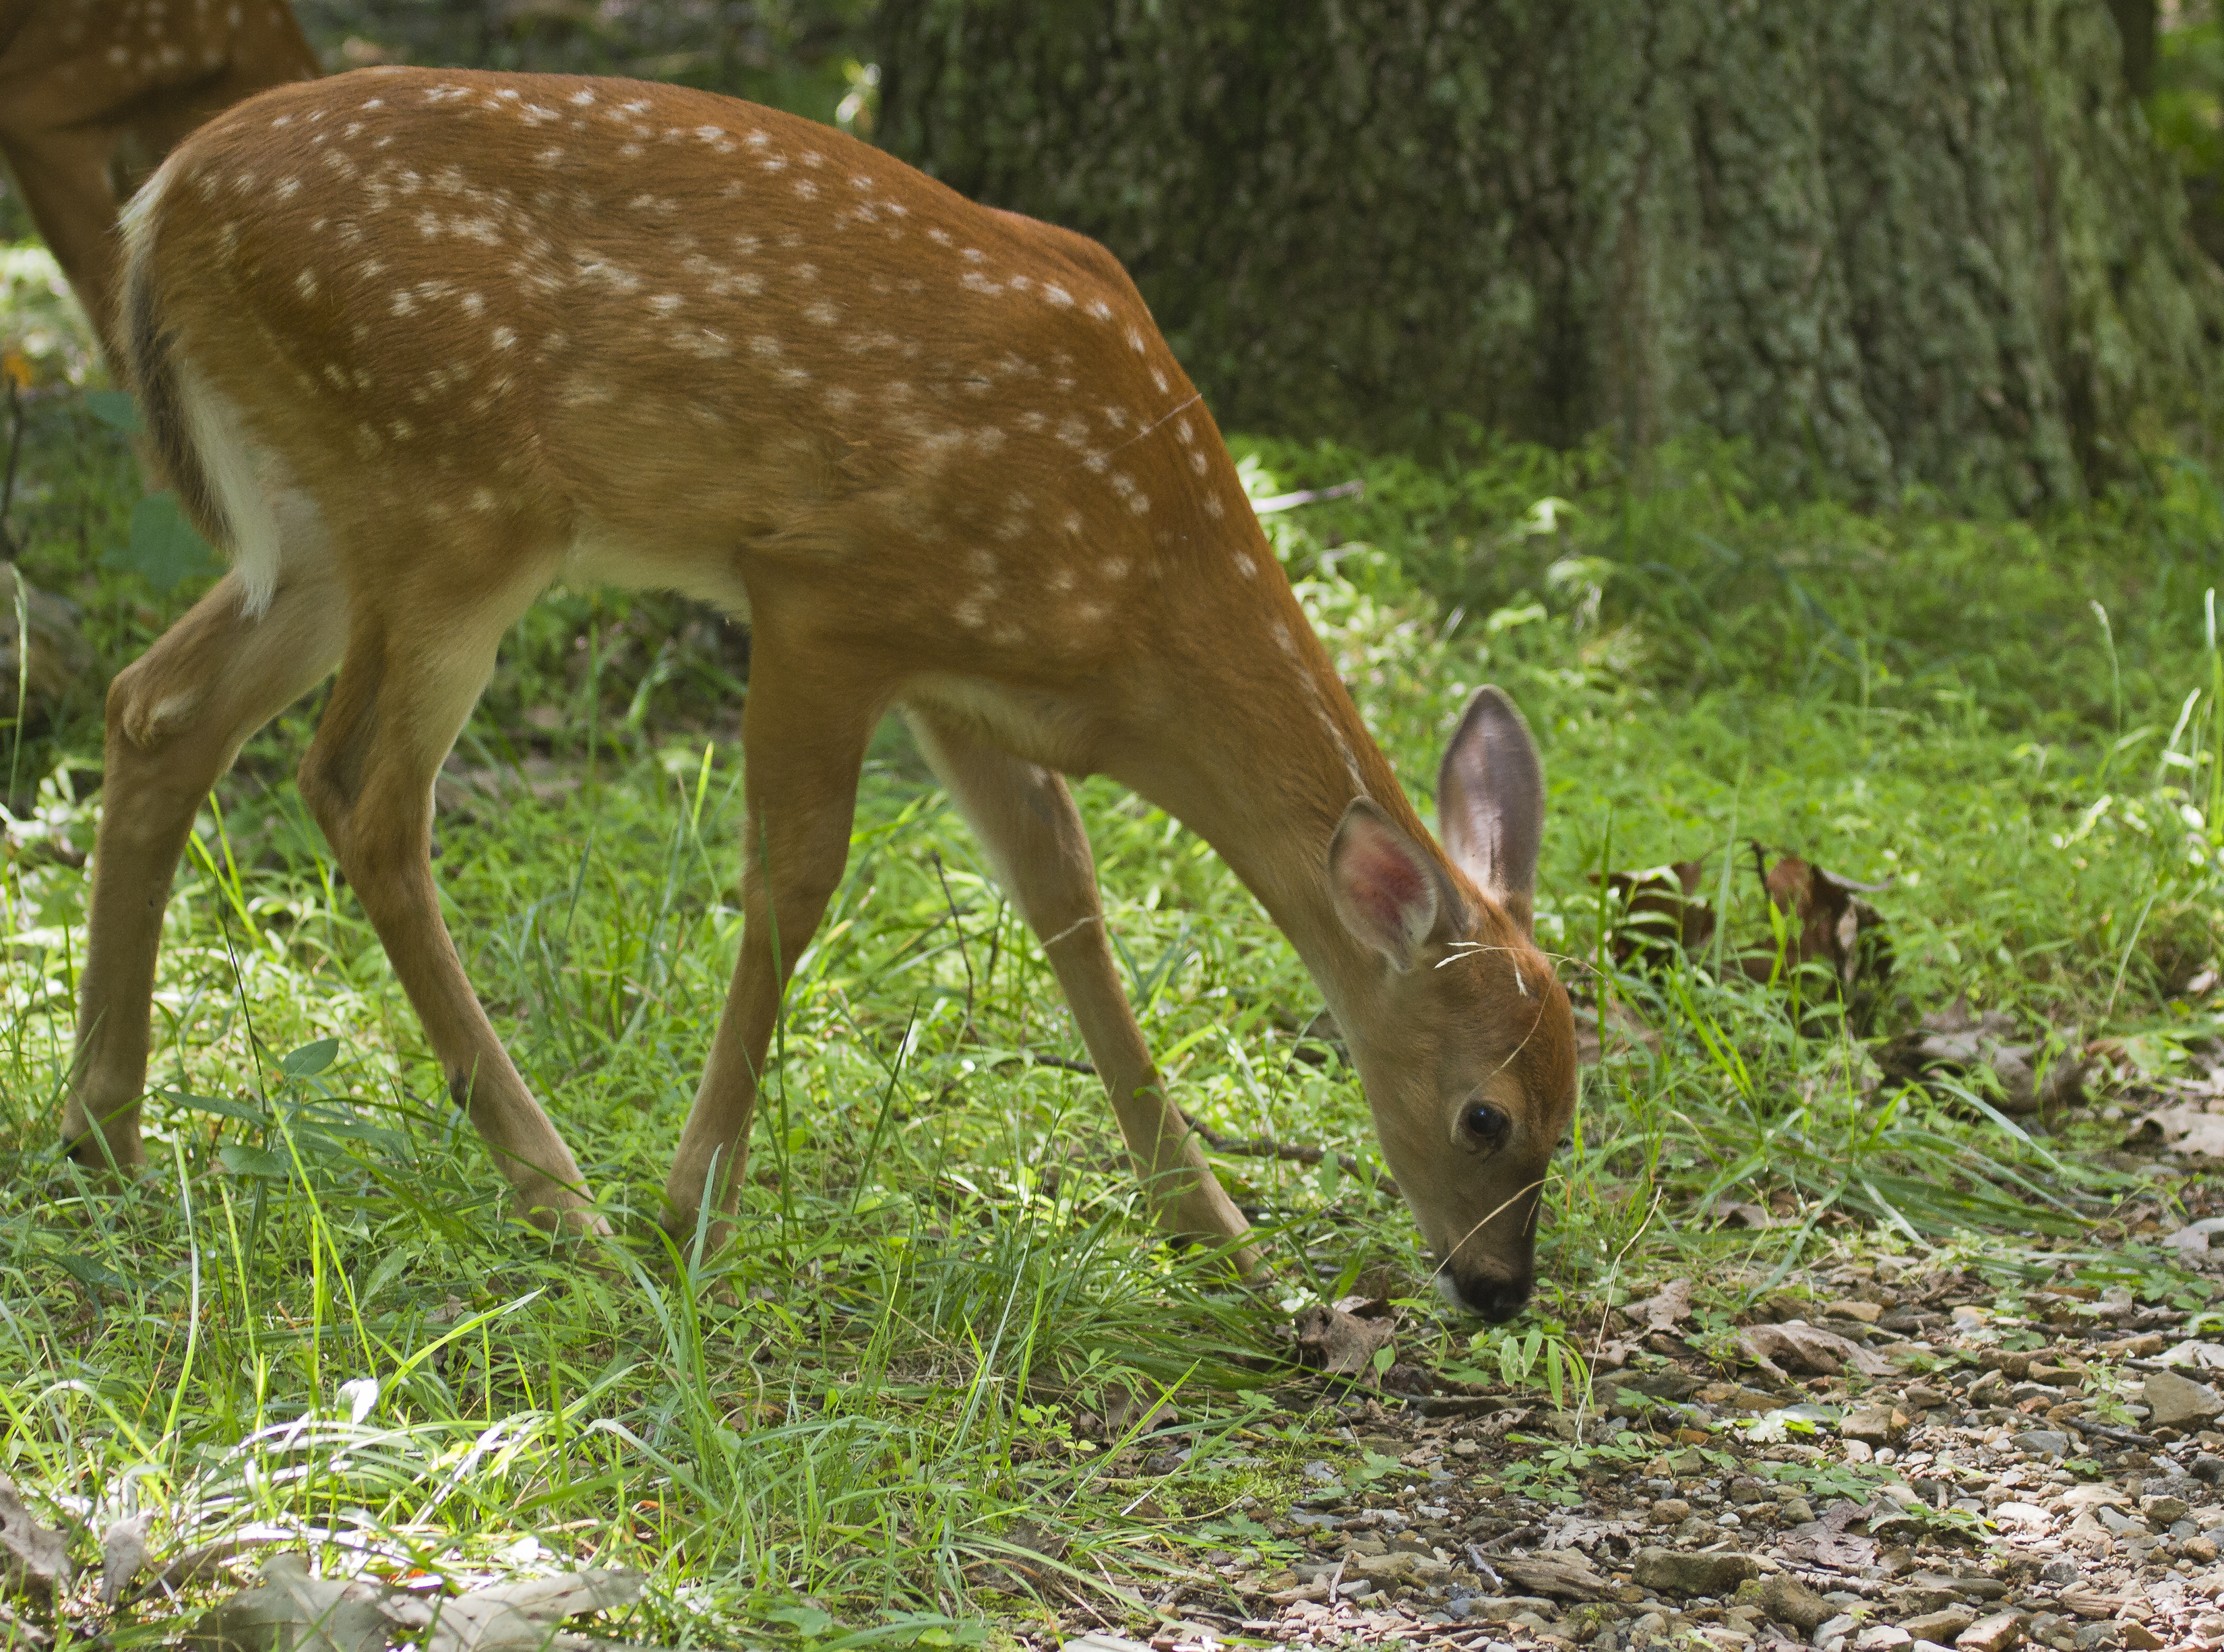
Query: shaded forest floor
(1872,1271)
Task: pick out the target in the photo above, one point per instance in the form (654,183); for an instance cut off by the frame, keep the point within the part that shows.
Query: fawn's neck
(1265,779)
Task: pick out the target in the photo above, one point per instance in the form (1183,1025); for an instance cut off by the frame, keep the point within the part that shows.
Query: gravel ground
(1885,1461)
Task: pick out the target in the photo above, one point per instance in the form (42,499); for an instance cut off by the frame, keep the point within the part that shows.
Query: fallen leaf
(522,1615)
(1956,1041)
(1660,908)
(1825,1543)
(200,1564)
(1564,1578)
(1664,1309)
(1807,1348)
(34,1560)
(291,1612)
(1340,1342)
(2202,1356)
(1626,1031)
(2194,1237)
(2184,1128)
(122,1552)
(2088,1602)
(1729,1212)
(1834,927)
(19,1634)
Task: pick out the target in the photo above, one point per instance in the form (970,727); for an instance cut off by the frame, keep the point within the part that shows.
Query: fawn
(414,344)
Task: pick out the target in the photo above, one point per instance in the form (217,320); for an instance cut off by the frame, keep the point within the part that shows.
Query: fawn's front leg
(1025,819)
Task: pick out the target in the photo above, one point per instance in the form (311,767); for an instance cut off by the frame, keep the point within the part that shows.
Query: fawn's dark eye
(1485,1124)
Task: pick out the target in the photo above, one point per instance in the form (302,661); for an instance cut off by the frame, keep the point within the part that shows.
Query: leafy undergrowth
(945,1334)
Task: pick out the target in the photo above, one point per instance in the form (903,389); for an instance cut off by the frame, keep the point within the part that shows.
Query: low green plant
(944,1313)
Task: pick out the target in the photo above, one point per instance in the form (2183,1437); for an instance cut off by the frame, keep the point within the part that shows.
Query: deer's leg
(414,666)
(176,718)
(1025,821)
(804,730)
(64,177)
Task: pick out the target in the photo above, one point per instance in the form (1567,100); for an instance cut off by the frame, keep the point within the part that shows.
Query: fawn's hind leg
(417,656)
(176,718)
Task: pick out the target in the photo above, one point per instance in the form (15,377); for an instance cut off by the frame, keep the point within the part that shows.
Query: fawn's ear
(1387,890)
(1491,803)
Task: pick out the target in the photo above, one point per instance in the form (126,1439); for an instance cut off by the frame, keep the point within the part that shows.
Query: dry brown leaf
(1339,1341)
(1958,1040)
(520,1617)
(2184,1128)
(1826,1543)
(1807,1348)
(2088,1602)
(19,1634)
(1564,1578)
(1834,927)
(122,1552)
(1660,908)
(1666,1309)
(1730,1213)
(291,1612)
(33,1559)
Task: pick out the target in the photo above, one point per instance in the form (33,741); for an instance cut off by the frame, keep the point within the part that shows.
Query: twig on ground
(2108,1431)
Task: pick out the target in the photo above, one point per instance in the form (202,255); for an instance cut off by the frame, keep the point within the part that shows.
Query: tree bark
(1890,242)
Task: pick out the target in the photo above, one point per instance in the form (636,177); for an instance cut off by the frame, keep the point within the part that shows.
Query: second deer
(415,345)
(93,93)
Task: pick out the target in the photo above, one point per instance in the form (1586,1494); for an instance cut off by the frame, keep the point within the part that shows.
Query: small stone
(1671,1573)
(1876,1425)
(1882,1637)
(1834,1629)
(2139,1637)
(1794,1512)
(2173,1401)
(1928,1646)
(2164,1510)
(1994,1634)
(1505,1608)
(1941,1625)
(2202,1550)
(1787,1600)
(2042,1442)
(1386,1570)
(1866,1312)
(1669,1511)
(2145,1345)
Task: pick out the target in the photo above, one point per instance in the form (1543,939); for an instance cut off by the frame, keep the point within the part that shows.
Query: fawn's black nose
(1495,1299)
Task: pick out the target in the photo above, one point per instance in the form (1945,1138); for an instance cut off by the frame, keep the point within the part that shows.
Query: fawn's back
(612,332)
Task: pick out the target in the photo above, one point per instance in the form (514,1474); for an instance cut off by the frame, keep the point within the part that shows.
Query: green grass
(850,1415)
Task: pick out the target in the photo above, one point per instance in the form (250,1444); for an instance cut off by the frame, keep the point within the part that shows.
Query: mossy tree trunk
(1889,241)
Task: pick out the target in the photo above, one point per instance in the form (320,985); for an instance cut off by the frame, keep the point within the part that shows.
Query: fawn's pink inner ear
(1385,891)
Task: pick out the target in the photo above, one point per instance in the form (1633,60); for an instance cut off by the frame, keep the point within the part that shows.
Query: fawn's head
(1469,1056)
